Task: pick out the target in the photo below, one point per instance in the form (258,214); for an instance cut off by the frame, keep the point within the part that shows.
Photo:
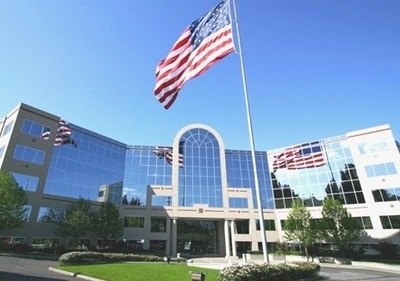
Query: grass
(142,271)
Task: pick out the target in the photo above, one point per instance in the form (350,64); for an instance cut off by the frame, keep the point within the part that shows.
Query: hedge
(269,272)
(78,258)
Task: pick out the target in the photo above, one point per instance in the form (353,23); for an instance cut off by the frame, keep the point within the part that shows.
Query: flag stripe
(166,152)
(202,44)
(308,155)
(63,135)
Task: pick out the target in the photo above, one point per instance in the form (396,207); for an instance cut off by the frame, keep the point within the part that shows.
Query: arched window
(200,176)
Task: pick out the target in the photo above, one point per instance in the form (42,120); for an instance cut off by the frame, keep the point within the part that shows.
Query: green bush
(78,258)
(388,250)
(269,272)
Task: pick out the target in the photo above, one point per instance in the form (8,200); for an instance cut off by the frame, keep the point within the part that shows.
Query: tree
(73,222)
(12,202)
(107,222)
(338,226)
(300,227)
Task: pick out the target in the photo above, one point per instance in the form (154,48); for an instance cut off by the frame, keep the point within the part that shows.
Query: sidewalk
(220,263)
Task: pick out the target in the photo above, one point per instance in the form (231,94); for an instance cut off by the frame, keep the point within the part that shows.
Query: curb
(77,275)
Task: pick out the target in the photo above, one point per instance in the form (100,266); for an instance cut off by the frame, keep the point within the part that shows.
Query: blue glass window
(29,154)
(238,203)
(337,179)
(240,174)
(80,171)
(200,177)
(381,169)
(28,183)
(32,128)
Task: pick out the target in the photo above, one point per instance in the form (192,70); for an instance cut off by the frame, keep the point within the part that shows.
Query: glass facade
(142,168)
(28,183)
(79,171)
(334,175)
(200,192)
(200,177)
(240,174)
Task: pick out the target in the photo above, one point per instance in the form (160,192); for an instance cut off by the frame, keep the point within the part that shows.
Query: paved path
(358,271)
(29,269)
(356,274)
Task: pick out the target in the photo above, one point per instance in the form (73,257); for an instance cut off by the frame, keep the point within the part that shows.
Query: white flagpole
(253,153)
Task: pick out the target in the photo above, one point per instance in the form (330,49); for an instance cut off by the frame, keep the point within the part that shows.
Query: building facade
(194,196)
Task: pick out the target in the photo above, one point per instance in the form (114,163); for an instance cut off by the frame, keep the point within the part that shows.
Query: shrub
(78,258)
(268,272)
(388,250)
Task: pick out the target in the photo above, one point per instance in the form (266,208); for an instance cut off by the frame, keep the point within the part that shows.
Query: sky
(314,69)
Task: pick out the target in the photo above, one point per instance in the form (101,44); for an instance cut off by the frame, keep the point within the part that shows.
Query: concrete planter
(278,257)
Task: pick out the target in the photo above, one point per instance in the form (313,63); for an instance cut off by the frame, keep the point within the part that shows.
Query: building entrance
(197,238)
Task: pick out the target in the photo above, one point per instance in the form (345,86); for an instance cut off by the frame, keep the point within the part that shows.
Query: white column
(233,231)
(174,237)
(169,240)
(227,240)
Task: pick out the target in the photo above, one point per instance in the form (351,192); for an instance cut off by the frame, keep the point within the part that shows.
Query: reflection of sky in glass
(200,176)
(28,183)
(314,184)
(143,168)
(80,171)
(240,174)
(32,128)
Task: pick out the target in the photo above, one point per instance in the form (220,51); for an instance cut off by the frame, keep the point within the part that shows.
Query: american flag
(63,135)
(45,133)
(167,153)
(307,155)
(205,42)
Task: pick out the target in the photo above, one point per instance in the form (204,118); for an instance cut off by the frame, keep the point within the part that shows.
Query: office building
(192,195)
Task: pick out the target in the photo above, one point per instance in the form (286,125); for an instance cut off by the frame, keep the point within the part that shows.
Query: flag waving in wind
(63,135)
(167,153)
(203,43)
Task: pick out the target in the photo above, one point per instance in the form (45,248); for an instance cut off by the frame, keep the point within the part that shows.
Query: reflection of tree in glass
(282,191)
(332,191)
(349,191)
(125,200)
(135,201)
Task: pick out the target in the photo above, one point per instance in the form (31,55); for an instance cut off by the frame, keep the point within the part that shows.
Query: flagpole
(253,153)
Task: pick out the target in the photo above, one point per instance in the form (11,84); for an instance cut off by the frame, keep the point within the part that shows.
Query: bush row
(269,272)
(79,258)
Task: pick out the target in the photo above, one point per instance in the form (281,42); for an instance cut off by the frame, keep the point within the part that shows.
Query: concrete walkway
(220,263)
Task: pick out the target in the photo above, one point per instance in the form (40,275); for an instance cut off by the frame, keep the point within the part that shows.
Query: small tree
(107,222)
(337,225)
(299,226)
(12,202)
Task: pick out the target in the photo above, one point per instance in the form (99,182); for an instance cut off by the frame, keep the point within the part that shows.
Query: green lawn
(142,271)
